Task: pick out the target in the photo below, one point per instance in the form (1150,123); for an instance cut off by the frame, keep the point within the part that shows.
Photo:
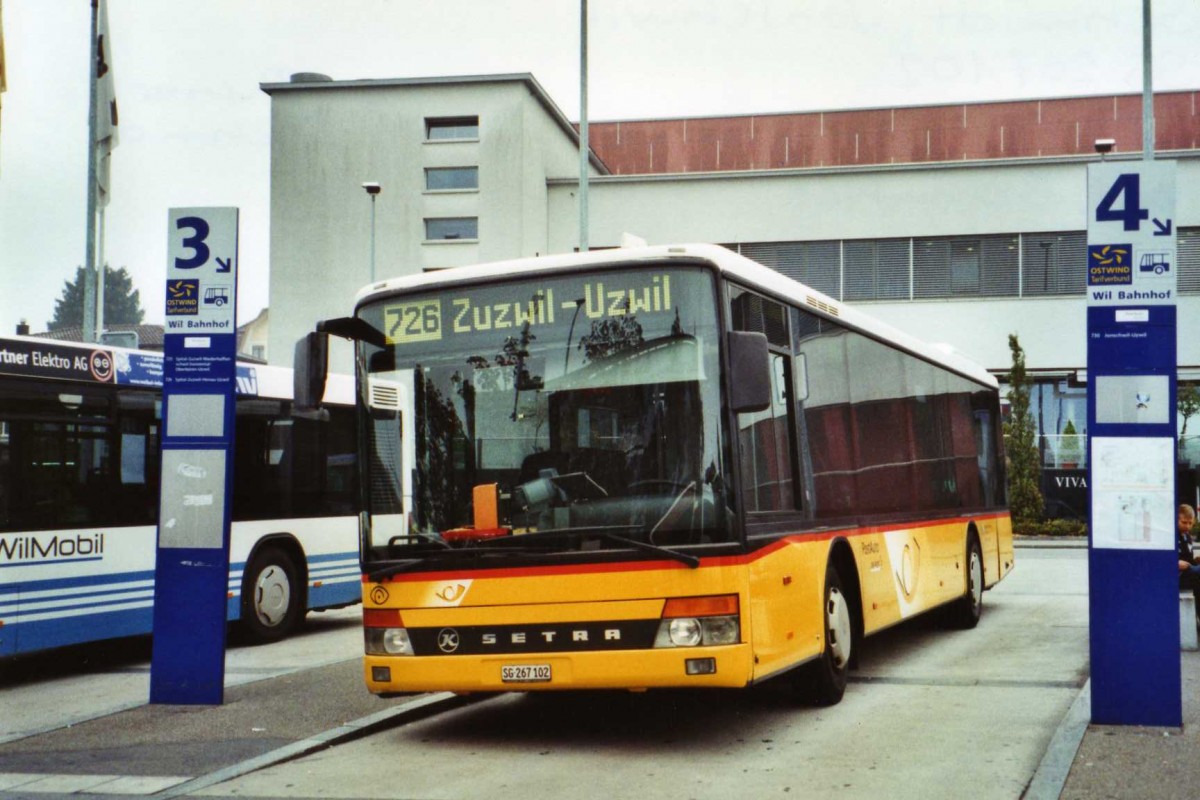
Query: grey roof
(310,81)
(150,337)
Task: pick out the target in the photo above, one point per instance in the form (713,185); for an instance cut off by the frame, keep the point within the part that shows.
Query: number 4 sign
(1131,233)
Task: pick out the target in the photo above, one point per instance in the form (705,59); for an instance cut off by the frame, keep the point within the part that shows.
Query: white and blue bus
(79,480)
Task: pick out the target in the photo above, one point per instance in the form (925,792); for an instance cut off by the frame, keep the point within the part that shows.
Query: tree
(1187,403)
(1024,470)
(122,303)
(1070,451)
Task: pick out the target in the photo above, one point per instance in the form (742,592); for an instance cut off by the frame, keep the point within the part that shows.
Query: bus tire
(271,596)
(823,681)
(964,613)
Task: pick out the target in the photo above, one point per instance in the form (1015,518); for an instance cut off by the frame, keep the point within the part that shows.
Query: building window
(1054,263)
(451,179)
(999,265)
(443,128)
(984,266)
(964,267)
(815,264)
(1189,260)
(875,269)
(452,228)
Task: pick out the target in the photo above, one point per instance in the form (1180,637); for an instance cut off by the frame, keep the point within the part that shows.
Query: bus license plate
(525,673)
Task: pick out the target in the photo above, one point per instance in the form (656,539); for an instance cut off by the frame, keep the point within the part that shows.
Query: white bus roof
(267,381)
(744,270)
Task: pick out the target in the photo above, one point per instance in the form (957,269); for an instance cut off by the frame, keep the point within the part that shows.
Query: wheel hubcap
(837,623)
(272,595)
(976,577)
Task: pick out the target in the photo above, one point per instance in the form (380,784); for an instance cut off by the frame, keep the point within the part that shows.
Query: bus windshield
(551,414)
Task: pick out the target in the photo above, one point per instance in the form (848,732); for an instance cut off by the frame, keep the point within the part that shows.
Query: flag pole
(89,261)
(101,268)
(584,147)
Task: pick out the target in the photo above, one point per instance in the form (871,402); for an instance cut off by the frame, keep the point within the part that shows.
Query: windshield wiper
(420,537)
(501,547)
(399,566)
(687,559)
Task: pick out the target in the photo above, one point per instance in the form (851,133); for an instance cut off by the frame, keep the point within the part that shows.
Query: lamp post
(372,189)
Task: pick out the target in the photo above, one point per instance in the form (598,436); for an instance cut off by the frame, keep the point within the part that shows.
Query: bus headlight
(684,632)
(699,621)
(696,632)
(720,630)
(387,642)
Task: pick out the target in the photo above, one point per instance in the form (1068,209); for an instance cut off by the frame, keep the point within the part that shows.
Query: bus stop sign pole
(199,369)
(1131,362)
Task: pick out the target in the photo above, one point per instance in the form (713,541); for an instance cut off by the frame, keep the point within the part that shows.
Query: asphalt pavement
(182,751)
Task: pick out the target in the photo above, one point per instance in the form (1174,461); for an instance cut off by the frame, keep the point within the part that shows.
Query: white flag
(3,85)
(106,106)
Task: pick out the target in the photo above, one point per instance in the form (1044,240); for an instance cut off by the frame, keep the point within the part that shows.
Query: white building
(959,223)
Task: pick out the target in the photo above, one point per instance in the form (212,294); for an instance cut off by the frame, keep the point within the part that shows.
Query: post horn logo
(379,595)
(452,593)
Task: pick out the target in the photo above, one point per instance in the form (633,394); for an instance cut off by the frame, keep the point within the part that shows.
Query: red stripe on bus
(716,561)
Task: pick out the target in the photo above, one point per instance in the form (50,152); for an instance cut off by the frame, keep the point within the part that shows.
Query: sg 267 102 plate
(525,673)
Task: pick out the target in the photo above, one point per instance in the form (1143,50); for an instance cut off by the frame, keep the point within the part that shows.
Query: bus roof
(52,359)
(744,270)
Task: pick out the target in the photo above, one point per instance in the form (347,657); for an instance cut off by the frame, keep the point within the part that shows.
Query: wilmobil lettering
(31,548)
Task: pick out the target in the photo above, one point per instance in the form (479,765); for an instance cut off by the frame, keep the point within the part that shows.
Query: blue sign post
(199,370)
(1132,572)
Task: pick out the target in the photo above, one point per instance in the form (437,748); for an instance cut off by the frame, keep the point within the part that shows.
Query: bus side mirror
(749,371)
(309,369)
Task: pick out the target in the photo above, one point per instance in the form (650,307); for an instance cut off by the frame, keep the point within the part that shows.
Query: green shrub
(1051,527)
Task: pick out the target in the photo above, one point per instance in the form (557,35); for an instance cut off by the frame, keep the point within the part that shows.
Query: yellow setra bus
(657,467)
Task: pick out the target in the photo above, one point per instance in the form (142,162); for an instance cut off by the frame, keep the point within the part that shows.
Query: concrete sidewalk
(1111,761)
(170,751)
(1137,762)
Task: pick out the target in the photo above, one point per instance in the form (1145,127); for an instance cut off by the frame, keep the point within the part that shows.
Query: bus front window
(562,414)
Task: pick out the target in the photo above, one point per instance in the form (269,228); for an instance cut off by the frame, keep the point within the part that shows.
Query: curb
(1056,543)
(1051,775)
(416,709)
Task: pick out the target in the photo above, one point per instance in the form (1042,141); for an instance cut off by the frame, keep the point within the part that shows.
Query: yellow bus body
(900,572)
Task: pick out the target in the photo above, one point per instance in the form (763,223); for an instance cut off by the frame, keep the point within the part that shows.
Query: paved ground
(152,750)
(1137,762)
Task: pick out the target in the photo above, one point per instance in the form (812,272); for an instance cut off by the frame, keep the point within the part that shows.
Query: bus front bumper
(684,667)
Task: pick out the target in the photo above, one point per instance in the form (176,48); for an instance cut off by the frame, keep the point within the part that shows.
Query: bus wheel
(823,682)
(270,596)
(964,613)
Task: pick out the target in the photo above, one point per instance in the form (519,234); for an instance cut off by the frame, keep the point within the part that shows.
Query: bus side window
(6,473)
(58,460)
(137,461)
(766,438)
(341,463)
(258,492)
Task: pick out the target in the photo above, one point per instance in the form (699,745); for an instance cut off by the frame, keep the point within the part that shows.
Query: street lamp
(372,189)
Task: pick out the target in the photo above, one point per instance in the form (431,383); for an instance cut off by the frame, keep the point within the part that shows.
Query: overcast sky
(195,128)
